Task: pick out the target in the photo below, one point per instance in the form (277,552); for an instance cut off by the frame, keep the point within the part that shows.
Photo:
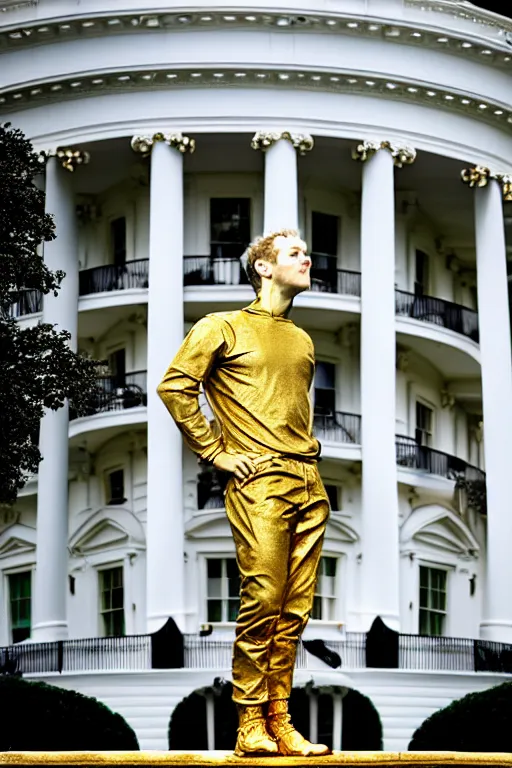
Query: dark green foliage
(479,722)
(37,367)
(362,729)
(40,717)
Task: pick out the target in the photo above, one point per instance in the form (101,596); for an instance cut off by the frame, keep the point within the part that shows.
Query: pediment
(339,530)
(17,539)
(439,528)
(209,525)
(108,529)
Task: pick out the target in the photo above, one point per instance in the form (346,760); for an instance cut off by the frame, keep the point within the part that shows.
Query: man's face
(292,266)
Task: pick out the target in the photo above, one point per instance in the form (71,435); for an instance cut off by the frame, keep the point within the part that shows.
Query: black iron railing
(28,303)
(342,281)
(166,650)
(118,393)
(338,427)
(414,456)
(206,270)
(114,277)
(439,312)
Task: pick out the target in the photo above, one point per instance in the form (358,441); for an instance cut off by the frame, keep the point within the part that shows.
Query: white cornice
(498,114)
(428,34)
(458,10)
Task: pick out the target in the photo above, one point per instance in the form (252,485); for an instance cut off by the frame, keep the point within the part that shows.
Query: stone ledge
(219,758)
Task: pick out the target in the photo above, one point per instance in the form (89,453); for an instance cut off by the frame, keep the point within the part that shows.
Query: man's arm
(180,386)
(179,390)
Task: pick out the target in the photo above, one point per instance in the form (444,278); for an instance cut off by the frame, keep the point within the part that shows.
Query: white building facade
(173,136)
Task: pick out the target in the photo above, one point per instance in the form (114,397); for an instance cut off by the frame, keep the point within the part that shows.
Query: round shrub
(40,717)
(479,722)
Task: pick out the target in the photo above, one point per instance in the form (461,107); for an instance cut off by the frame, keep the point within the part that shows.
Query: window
(432,601)
(333,492)
(112,602)
(118,240)
(324,249)
(325,390)
(421,273)
(223,593)
(230,226)
(115,487)
(325,591)
(20,598)
(424,420)
(117,367)
(210,489)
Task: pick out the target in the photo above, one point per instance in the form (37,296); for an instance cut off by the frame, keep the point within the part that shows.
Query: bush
(362,729)
(479,722)
(39,717)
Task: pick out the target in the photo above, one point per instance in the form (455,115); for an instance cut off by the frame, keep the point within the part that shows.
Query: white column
(51,583)
(496,361)
(281,182)
(379,568)
(165,528)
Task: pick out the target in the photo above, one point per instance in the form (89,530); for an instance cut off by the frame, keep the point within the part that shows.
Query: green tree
(37,367)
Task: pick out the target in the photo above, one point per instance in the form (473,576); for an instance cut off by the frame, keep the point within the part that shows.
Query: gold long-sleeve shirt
(256,370)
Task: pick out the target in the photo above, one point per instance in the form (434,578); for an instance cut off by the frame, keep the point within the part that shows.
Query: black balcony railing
(414,456)
(114,277)
(206,270)
(167,649)
(439,312)
(28,303)
(338,427)
(118,393)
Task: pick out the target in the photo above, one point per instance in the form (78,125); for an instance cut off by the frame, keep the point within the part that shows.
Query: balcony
(165,650)
(29,302)
(118,393)
(425,459)
(114,277)
(338,427)
(438,312)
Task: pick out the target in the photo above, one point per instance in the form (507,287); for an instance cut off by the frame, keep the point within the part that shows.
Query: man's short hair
(264,248)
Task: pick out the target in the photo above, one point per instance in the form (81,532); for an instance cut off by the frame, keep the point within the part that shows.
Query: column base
(497,631)
(49,632)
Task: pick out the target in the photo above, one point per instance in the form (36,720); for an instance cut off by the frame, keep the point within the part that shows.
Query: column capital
(144,144)
(402,155)
(265,139)
(480,176)
(68,157)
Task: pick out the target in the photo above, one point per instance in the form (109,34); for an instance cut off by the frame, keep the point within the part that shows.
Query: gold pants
(278,519)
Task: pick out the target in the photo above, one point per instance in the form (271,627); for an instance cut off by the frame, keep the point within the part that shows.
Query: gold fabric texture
(256,369)
(278,521)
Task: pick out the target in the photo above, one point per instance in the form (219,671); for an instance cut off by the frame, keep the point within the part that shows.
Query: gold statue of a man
(256,367)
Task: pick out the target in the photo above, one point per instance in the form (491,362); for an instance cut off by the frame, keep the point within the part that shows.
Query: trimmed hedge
(362,729)
(35,716)
(479,722)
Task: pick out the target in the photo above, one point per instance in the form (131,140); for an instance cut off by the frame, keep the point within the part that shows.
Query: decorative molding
(69,158)
(401,155)
(480,176)
(476,44)
(265,139)
(144,144)
(495,113)
(448,400)
(402,359)
(466,11)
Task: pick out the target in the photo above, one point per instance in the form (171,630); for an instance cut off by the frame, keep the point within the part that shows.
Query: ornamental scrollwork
(69,158)
(402,155)
(144,144)
(263,140)
(480,176)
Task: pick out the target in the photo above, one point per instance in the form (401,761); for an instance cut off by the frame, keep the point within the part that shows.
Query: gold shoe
(253,738)
(289,740)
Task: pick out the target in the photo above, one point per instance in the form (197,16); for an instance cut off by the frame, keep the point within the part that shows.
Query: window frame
(419,401)
(101,569)
(7,586)
(444,613)
(332,389)
(109,502)
(328,602)
(224,598)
